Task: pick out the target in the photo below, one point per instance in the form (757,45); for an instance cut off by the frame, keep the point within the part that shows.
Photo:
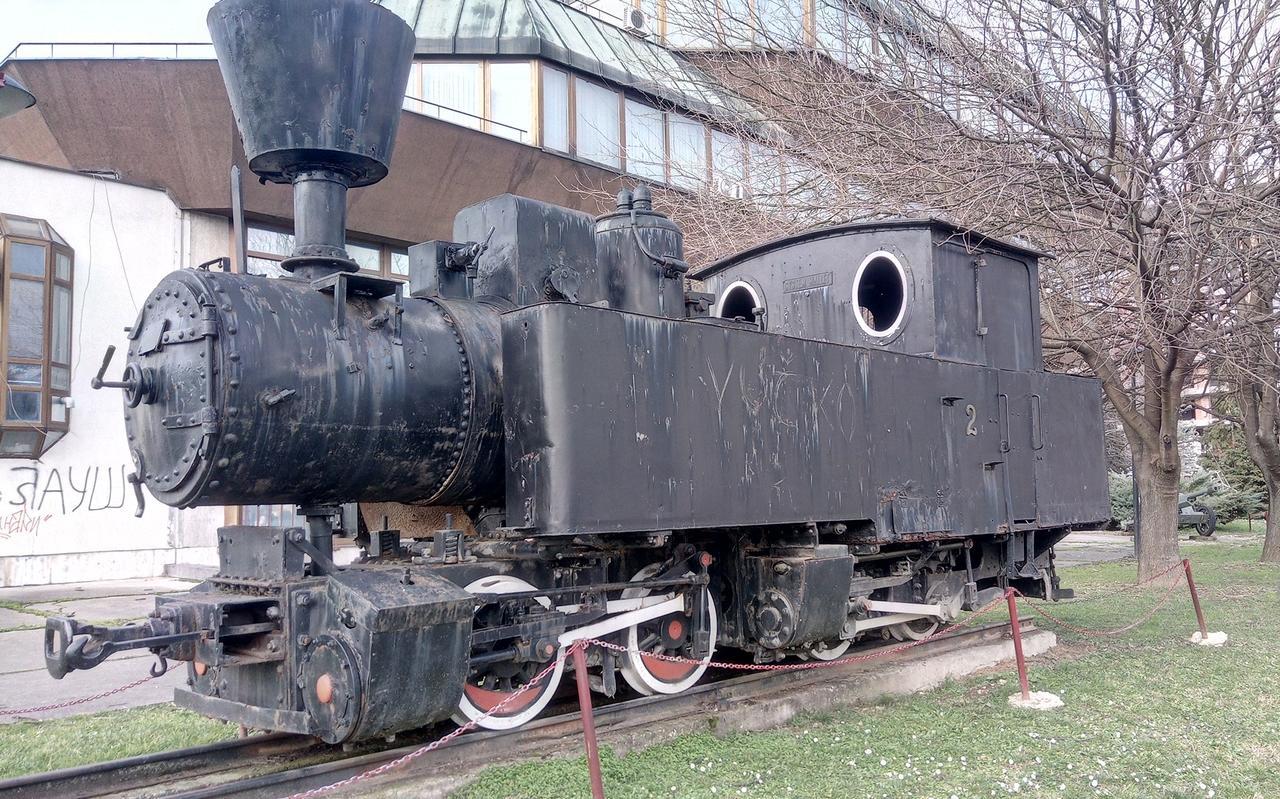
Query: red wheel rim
(667,670)
(486,700)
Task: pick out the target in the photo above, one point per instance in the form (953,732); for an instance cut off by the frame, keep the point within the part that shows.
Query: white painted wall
(69,516)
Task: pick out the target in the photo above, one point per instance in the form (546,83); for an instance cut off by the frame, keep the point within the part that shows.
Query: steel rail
(146,771)
(186,769)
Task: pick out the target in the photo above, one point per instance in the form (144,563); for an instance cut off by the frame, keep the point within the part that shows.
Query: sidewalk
(1094,546)
(23,679)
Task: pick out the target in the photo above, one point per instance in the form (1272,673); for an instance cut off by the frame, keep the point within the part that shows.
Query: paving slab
(1082,548)
(13,619)
(27,594)
(22,651)
(37,689)
(25,683)
(100,609)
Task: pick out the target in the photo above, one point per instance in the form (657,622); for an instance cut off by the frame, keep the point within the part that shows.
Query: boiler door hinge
(205,417)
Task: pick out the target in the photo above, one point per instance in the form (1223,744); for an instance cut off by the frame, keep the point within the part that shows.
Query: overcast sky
(101,21)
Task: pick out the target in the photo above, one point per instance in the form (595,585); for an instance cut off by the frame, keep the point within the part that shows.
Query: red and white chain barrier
(1124,589)
(1039,610)
(22,711)
(1184,565)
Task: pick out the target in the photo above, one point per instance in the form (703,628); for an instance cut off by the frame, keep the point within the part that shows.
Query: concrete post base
(1214,639)
(1038,700)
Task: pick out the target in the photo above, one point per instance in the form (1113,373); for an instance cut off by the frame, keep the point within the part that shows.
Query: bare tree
(1123,138)
(1246,360)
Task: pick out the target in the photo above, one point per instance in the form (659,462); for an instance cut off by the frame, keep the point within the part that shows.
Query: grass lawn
(1147,715)
(32,746)
(1242,526)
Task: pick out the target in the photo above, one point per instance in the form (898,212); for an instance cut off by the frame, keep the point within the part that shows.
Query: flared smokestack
(316,87)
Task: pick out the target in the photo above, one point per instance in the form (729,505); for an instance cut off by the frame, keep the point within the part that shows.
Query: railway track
(277,765)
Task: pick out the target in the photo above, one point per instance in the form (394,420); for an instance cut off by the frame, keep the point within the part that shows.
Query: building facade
(76,253)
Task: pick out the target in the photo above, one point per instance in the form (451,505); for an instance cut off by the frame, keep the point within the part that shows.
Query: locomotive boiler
(849,435)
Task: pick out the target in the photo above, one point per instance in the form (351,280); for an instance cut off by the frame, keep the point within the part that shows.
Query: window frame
(44,426)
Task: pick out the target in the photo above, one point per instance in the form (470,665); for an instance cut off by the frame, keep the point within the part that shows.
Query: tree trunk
(1271,545)
(1156,543)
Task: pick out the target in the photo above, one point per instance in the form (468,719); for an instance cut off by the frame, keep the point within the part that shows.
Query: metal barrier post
(1195,600)
(1015,627)
(588,721)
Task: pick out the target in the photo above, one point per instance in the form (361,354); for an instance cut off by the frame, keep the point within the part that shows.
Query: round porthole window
(739,301)
(880,294)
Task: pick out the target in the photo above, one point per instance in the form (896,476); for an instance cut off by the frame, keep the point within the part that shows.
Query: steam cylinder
(247,390)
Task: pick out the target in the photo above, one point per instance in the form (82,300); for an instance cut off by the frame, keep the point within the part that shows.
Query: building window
(452,92)
(555,110)
(766,174)
(728,164)
(268,246)
(689,25)
(646,142)
(572,115)
(688,139)
(511,100)
(493,96)
(596,123)
(36,270)
(271,516)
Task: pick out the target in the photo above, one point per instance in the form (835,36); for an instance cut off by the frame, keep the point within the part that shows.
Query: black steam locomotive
(850,435)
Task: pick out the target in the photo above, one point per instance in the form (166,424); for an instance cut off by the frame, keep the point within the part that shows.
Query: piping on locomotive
(851,436)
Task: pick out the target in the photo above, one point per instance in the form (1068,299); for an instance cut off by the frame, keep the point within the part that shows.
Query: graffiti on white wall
(33,495)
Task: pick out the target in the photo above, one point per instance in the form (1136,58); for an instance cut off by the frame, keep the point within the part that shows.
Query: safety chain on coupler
(73,702)
(822,664)
(392,765)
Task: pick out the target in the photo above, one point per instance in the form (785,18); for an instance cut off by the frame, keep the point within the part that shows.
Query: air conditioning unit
(636,22)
